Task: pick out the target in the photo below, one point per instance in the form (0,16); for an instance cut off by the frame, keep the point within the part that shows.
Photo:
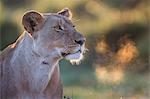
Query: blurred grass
(96,19)
(134,86)
(83,84)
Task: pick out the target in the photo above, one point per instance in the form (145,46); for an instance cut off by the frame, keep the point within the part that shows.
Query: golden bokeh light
(126,53)
(102,47)
(105,75)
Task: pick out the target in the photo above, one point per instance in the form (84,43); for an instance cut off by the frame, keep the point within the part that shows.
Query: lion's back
(5,72)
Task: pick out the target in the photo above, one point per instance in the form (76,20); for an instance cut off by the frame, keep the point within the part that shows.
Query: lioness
(29,67)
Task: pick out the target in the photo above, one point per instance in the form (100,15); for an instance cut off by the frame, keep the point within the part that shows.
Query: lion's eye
(60,28)
(73,26)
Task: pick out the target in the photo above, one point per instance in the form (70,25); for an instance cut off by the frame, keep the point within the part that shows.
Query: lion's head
(55,31)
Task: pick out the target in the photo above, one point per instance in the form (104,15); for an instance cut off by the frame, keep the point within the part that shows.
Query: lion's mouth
(65,54)
(75,56)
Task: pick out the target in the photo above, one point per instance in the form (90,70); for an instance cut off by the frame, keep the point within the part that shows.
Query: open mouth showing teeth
(65,54)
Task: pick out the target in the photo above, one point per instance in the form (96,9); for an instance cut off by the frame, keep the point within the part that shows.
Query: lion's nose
(80,42)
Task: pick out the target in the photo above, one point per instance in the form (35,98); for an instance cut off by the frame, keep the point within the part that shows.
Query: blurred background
(117,31)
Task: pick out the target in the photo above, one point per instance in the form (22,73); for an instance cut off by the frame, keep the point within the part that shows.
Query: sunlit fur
(31,64)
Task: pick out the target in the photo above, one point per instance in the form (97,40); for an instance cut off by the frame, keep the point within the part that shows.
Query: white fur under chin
(75,58)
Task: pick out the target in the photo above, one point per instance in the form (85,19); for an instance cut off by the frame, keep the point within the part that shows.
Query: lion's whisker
(86,50)
(76,20)
(71,45)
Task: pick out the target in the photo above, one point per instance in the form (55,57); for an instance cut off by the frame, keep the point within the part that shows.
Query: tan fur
(29,67)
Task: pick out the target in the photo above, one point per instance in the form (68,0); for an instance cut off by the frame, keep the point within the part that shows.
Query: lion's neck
(38,70)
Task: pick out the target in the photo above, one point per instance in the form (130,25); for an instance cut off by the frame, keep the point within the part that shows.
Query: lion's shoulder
(9,49)
(4,60)
(6,51)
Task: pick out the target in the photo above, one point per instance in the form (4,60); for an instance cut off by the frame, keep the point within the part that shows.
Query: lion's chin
(75,58)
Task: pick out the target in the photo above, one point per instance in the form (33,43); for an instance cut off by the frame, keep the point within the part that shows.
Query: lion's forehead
(55,18)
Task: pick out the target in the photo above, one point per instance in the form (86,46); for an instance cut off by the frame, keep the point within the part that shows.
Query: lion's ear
(32,21)
(65,12)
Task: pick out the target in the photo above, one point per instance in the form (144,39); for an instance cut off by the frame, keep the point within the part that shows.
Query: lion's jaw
(76,55)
